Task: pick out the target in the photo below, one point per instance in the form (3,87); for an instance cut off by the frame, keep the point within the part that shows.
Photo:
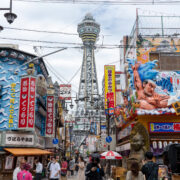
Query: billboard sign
(164,127)
(65,91)
(109,83)
(50,115)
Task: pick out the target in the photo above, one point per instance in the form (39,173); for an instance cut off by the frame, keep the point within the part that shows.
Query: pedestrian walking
(55,170)
(76,165)
(24,174)
(64,166)
(38,171)
(18,169)
(94,171)
(81,172)
(135,173)
(72,166)
(48,167)
(150,169)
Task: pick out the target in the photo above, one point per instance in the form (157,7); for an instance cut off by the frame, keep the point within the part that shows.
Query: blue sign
(164,127)
(55,141)
(103,127)
(108,139)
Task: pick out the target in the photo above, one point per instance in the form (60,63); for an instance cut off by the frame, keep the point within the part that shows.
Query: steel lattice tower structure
(88,31)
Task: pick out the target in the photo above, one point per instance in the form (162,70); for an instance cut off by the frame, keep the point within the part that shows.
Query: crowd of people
(81,170)
(55,170)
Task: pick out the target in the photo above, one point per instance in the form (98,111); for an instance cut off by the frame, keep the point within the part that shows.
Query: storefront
(17,145)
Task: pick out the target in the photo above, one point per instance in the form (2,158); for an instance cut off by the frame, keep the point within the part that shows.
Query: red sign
(32,96)
(23,105)
(176,127)
(50,115)
(110,97)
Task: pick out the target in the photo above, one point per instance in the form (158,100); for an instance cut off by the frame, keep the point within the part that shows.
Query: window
(167,61)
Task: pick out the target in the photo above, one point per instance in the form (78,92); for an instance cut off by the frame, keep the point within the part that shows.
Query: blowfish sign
(50,116)
(27,102)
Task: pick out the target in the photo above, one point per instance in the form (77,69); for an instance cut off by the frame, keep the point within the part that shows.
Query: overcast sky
(115,21)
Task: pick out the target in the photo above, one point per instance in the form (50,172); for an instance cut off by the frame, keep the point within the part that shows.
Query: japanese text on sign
(19,139)
(164,127)
(65,91)
(50,115)
(109,83)
(23,106)
(11,109)
(32,94)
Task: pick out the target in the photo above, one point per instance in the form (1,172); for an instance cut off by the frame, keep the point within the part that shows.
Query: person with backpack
(150,169)
(24,174)
(135,173)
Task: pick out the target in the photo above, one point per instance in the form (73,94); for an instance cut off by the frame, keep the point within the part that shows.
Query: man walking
(150,169)
(55,170)
(38,171)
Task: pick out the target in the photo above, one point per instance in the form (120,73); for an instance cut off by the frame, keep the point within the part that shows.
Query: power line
(106,2)
(40,31)
(54,71)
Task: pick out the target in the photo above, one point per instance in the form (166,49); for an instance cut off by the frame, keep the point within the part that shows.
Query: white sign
(19,139)
(124,147)
(65,91)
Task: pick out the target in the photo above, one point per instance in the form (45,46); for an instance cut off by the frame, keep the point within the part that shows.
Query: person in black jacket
(94,171)
(150,169)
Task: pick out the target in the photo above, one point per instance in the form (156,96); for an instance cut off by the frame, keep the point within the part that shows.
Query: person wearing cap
(24,174)
(94,171)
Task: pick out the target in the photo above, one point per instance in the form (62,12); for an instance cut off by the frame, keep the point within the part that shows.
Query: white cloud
(115,22)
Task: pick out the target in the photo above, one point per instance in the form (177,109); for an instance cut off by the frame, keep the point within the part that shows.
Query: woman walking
(135,173)
(81,172)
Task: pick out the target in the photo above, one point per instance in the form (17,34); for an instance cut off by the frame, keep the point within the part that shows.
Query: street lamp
(9,16)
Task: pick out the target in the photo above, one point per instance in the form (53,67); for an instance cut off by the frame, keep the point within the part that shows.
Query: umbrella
(111,155)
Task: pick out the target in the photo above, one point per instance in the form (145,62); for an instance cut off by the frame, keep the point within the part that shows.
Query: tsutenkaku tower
(88,31)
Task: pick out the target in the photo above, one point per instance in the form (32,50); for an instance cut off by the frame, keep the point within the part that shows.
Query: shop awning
(26,151)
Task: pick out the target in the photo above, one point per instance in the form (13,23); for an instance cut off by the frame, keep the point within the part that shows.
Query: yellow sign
(109,82)
(11,109)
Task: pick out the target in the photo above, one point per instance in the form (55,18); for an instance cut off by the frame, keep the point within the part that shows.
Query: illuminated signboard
(164,127)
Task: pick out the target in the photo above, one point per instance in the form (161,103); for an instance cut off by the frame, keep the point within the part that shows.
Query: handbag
(63,173)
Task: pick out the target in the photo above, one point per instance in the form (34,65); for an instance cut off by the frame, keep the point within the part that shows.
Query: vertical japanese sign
(23,102)
(11,109)
(27,102)
(50,116)
(109,87)
(65,91)
(32,96)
